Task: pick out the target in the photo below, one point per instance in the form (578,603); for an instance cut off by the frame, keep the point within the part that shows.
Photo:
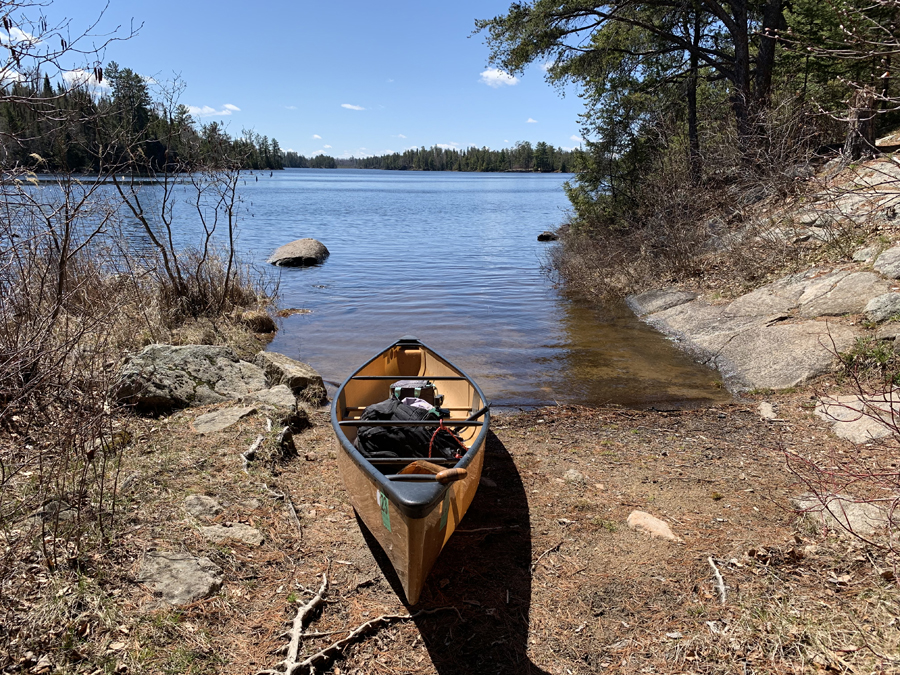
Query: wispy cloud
(290,107)
(448,146)
(83,79)
(317,136)
(18,37)
(350,106)
(495,78)
(209,111)
(328,147)
(531,120)
(576,138)
(546,66)
(400,136)
(390,80)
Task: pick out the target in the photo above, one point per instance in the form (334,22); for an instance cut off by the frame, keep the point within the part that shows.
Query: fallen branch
(549,550)
(486,529)
(293,647)
(338,647)
(720,582)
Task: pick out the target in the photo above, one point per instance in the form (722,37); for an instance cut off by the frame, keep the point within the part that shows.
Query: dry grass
(600,597)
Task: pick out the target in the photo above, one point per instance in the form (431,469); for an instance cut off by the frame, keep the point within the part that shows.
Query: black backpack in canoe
(386,442)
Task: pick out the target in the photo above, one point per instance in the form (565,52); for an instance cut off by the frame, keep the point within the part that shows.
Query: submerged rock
(658,300)
(299,253)
(547,235)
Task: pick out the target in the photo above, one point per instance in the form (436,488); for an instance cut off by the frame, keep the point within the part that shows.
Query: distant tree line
(542,157)
(74,127)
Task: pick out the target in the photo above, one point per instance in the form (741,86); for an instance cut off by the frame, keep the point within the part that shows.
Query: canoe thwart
(433,378)
(407,423)
(444,477)
(380,461)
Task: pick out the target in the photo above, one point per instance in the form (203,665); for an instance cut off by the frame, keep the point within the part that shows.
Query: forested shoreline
(694,112)
(79,126)
(540,158)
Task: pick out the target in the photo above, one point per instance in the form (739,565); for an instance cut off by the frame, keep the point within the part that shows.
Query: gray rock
(302,378)
(808,217)
(860,419)
(889,331)
(752,351)
(220,534)
(866,254)
(201,506)
(573,476)
(219,420)
(279,396)
(841,513)
(299,253)
(848,295)
(162,377)
(888,263)
(658,300)
(180,578)
(782,355)
(883,307)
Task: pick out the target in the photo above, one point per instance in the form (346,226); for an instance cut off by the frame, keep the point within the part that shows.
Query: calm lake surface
(453,259)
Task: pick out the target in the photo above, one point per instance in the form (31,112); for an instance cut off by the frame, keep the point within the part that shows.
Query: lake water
(453,259)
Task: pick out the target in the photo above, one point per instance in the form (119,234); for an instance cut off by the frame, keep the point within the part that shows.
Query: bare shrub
(706,232)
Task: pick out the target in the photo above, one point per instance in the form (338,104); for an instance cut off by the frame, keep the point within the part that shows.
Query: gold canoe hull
(411,521)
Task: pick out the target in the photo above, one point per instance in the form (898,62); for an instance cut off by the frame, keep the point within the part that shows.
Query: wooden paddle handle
(450,475)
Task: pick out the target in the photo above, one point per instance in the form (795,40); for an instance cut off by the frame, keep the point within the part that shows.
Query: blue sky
(345,77)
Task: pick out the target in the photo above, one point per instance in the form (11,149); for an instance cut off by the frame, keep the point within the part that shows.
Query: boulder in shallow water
(299,253)
(547,235)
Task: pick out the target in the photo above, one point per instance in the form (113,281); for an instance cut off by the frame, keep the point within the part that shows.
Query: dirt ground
(544,575)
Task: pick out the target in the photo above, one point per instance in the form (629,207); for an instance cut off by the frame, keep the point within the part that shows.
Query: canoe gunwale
(413,499)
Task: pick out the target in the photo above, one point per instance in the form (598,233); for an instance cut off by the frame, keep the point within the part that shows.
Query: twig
(290,661)
(338,647)
(485,529)
(720,582)
(293,512)
(272,493)
(250,454)
(549,550)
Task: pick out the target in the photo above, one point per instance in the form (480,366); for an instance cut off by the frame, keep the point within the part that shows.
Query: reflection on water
(454,260)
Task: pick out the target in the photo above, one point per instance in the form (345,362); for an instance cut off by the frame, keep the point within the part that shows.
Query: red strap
(452,435)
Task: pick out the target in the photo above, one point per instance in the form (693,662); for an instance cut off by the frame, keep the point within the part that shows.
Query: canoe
(411,506)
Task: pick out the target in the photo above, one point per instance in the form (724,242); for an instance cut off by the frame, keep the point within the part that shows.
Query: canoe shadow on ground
(485,576)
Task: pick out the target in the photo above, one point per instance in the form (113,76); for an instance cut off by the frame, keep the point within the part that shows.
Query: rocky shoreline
(790,331)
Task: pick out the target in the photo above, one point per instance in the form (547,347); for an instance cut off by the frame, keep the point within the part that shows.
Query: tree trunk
(773,21)
(860,141)
(693,131)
